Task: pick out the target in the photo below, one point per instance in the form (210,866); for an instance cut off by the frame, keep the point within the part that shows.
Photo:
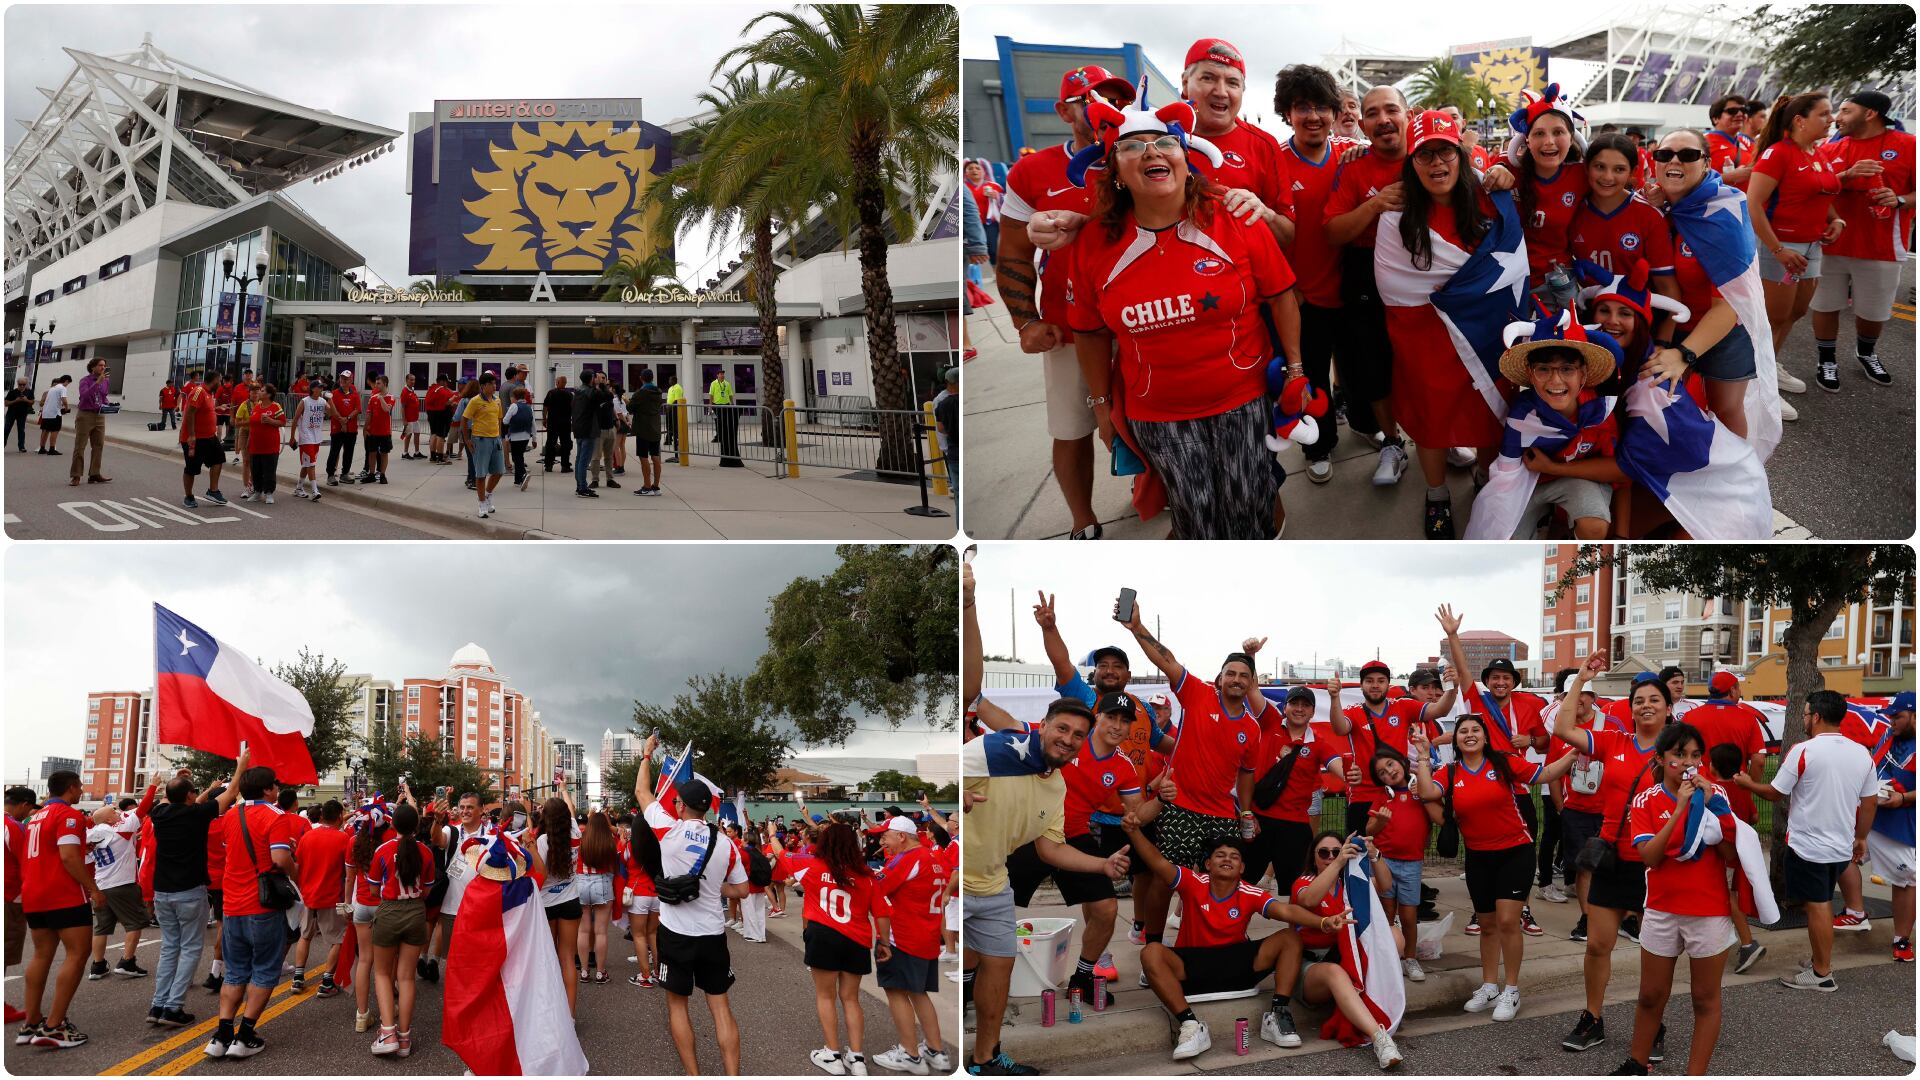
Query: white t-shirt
(115,860)
(56,398)
(681,844)
(458,871)
(556,893)
(1827,776)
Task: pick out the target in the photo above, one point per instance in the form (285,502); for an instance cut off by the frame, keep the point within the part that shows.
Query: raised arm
(1322,883)
(1336,713)
(232,791)
(1456,652)
(1161,656)
(643,780)
(1146,852)
(1050,640)
(1568,723)
(973,664)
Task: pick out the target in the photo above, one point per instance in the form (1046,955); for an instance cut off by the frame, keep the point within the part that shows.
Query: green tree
(1814,582)
(908,785)
(877,636)
(736,743)
(419,758)
(1837,45)
(876,90)
(641,274)
(329,693)
(1441,82)
(616,784)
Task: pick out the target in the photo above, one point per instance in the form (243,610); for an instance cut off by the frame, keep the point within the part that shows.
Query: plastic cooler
(1043,958)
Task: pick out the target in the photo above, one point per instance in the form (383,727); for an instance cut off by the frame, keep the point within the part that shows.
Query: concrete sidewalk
(1012,493)
(701,501)
(1136,1026)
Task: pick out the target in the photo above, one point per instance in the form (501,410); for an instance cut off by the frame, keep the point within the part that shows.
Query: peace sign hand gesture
(1043,612)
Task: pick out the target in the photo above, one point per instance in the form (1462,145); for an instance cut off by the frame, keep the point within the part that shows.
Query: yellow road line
(1903,316)
(1904,307)
(197,1031)
(192,1057)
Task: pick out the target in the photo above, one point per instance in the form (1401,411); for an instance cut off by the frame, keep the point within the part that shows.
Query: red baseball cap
(1218,50)
(1723,683)
(1096,79)
(1432,126)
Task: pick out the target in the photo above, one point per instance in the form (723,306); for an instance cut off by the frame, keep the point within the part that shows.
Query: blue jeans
(183,918)
(582,455)
(251,946)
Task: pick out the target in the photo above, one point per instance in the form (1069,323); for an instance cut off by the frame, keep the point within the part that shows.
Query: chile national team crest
(1392,720)
(1567,198)
(1208,266)
(1106,779)
(1630,241)
(1233,913)
(1240,737)
(1233,159)
(1889,155)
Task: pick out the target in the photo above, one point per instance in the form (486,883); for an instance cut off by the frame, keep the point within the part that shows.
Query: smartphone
(1123,608)
(519,821)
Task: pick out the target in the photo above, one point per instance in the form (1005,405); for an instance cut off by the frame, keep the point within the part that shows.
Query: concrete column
(793,364)
(397,361)
(542,379)
(299,348)
(686,352)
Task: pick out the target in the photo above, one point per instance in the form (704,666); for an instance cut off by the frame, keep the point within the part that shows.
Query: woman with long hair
(1617,765)
(370,831)
(1614,226)
(599,858)
(552,834)
(839,944)
(643,909)
(1791,196)
(1322,978)
(402,870)
(1477,791)
(1168,293)
(1548,183)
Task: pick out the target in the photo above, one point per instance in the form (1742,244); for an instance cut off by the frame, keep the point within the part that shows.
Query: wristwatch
(1686,354)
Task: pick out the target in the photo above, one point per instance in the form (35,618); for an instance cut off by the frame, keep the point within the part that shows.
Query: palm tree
(641,274)
(876,92)
(441,336)
(1440,83)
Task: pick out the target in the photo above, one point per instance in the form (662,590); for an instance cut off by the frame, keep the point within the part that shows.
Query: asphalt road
(143,503)
(623,1029)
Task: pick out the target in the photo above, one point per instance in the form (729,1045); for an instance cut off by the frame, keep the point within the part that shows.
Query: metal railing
(746,433)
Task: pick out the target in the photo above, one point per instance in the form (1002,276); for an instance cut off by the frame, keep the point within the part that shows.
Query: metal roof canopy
(269,211)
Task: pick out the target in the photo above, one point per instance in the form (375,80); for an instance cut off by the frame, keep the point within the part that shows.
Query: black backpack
(759,868)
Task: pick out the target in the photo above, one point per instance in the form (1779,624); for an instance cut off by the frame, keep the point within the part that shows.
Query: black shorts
(827,949)
(1282,846)
(1363,353)
(1219,969)
(1807,882)
(569,909)
(50,423)
(689,963)
(1185,834)
(1492,876)
(1357,816)
(905,971)
(379,444)
(201,452)
(65,918)
(1026,870)
(1112,838)
(646,447)
(439,422)
(1576,828)
(1623,888)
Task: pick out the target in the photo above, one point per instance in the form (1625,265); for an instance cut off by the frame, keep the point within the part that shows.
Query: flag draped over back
(1368,954)
(505,1005)
(1531,425)
(1711,480)
(1013,752)
(209,696)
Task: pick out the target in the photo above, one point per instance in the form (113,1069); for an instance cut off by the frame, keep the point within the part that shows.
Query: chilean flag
(1368,954)
(678,769)
(504,1011)
(1711,480)
(210,697)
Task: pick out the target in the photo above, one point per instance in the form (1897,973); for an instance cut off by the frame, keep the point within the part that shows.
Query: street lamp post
(39,337)
(227,256)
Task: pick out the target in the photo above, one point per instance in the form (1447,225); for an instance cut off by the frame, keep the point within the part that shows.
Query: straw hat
(1594,345)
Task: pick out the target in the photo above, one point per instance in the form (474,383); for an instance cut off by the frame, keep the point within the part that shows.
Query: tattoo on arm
(1017,283)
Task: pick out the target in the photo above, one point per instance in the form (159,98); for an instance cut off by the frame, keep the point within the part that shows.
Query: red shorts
(309,456)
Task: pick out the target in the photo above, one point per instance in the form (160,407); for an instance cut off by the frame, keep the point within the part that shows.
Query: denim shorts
(488,457)
(1406,881)
(595,889)
(252,946)
(1731,360)
(1771,270)
(363,913)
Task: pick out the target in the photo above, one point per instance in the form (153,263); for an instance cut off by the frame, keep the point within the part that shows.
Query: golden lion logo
(1509,71)
(565,196)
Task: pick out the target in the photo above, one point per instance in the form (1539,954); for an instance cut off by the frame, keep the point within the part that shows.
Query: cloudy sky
(595,627)
(378,63)
(1332,600)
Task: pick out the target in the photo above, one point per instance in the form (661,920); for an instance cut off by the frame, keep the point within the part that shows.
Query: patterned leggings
(1219,474)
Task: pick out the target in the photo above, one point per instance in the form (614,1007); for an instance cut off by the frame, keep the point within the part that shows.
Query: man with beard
(1379,722)
(1363,189)
(1875,163)
(1514,725)
(1013,794)
(1349,126)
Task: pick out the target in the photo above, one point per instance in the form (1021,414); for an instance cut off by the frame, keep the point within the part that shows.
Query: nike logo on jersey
(1051,192)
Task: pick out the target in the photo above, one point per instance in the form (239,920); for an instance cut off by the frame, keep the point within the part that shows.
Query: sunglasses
(1735,110)
(1328,852)
(1132,148)
(1687,155)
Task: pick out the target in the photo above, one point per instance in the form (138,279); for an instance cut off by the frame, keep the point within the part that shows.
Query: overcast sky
(591,627)
(1344,600)
(378,63)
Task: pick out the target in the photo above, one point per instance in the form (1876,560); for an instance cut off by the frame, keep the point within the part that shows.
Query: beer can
(1099,993)
(1240,1037)
(1073,1006)
(1046,1008)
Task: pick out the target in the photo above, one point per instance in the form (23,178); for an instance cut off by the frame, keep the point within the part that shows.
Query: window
(1879,662)
(1669,639)
(1583,593)
(116,267)
(1672,609)
(1754,610)
(1638,588)
(472,694)
(73,285)
(1639,615)
(1754,645)
(1580,620)
(79,353)
(1838,628)
(1549,625)
(1547,650)
(1779,633)
(93,706)
(413,709)
(413,693)
(1706,670)
(1553,550)
(1580,645)
(1553,574)
(1546,602)
(43,298)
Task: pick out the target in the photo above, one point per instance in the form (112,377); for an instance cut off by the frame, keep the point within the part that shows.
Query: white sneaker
(1552,893)
(937,1060)
(1393,462)
(1384,1051)
(1805,979)
(269,499)
(947,956)
(899,1060)
(484,511)
(1789,384)
(1320,471)
(827,1060)
(856,1063)
(1413,970)
(1460,457)
(1507,1006)
(1483,998)
(1270,1031)
(1788,412)
(1193,1040)
(1144,984)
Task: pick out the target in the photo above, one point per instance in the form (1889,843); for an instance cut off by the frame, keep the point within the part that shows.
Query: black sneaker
(190,503)
(1827,374)
(1871,365)
(1659,1052)
(382,478)
(98,971)
(1588,1033)
(1630,928)
(431,972)
(216,498)
(1085,986)
(585,494)
(154,1014)
(1579,930)
(246,1044)
(64,1037)
(28,1032)
(299,982)
(212,982)
(327,987)
(176,1018)
(1439,524)
(1629,1067)
(130,968)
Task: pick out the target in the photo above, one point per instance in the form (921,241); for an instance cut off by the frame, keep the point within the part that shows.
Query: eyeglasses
(1427,155)
(1132,148)
(1687,155)
(1328,852)
(1567,370)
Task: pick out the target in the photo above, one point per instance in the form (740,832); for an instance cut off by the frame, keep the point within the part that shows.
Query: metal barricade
(891,445)
(749,433)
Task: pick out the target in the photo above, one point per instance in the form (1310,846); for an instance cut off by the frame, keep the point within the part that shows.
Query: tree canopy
(1838,46)
(389,755)
(736,743)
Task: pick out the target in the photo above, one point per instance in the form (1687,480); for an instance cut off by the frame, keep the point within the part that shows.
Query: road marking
(198,1031)
(113,516)
(195,1056)
(1903,316)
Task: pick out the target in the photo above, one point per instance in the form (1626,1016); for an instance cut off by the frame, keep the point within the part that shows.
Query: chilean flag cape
(1368,954)
(504,1011)
(1702,830)
(1712,481)
(209,696)
(1012,752)
(1531,424)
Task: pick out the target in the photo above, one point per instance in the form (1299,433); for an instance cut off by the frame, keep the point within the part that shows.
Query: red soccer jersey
(1676,886)
(1096,783)
(845,906)
(347,403)
(380,414)
(1549,228)
(1520,714)
(1039,182)
(197,417)
(217,853)
(1728,152)
(384,874)
(1251,159)
(1632,232)
(1583,801)
(1697,289)
(1208,920)
(1183,305)
(320,858)
(168,397)
(1805,187)
(1312,256)
(45,884)
(1483,805)
(1390,728)
(409,405)
(1481,158)
(1210,750)
(912,893)
(1404,835)
(16,846)
(1872,231)
(439,398)
(1319,749)
(1311,935)
(299,387)
(271,830)
(262,437)
(1729,722)
(1623,761)
(1357,181)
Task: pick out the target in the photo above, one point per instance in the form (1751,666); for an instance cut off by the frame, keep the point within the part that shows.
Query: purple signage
(1652,74)
(1684,81)
(223,317)
(255,316)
